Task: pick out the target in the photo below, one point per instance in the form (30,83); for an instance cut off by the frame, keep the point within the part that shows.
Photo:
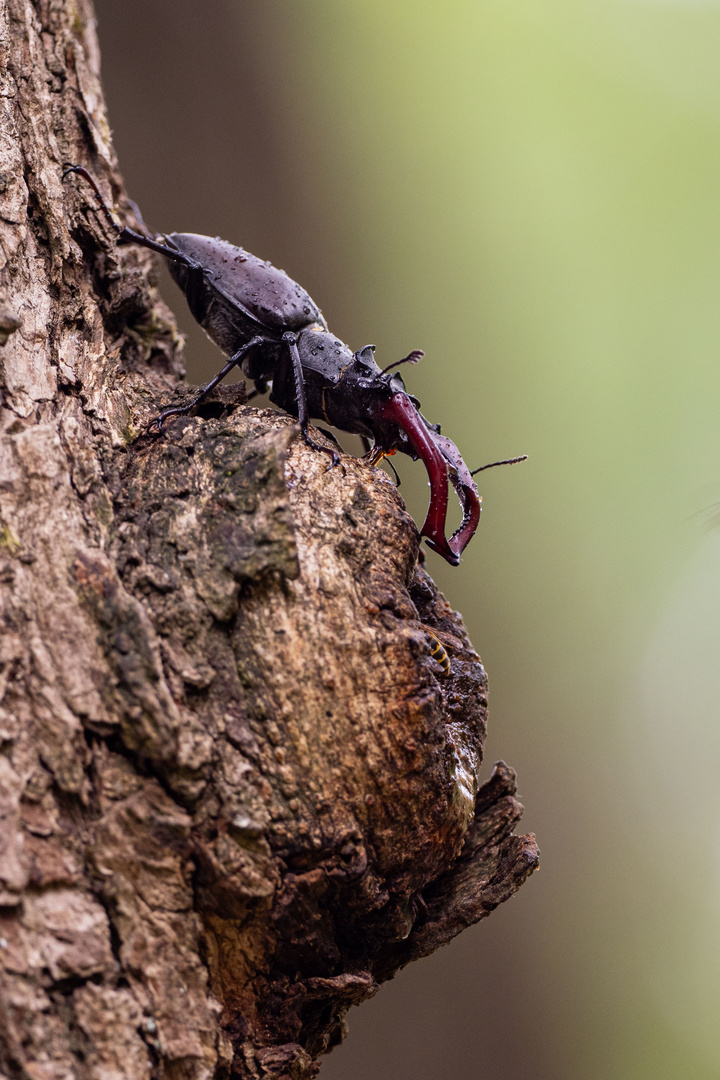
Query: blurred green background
(529,192)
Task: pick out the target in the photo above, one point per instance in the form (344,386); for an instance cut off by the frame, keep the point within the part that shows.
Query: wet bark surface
(237,792)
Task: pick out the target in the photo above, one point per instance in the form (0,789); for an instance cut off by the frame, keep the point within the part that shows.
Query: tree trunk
(236,790)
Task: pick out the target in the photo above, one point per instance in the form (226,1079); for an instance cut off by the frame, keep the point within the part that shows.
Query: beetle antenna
(507,461)
(411,358)
(90,179)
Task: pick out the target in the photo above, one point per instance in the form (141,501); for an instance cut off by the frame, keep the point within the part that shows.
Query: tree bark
(236,791)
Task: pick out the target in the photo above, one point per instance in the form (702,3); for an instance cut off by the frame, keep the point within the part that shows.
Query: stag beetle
(269,326)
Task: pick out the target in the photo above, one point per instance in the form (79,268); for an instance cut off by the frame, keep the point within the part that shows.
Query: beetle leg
(194,287)
(290,340)
(395,472)
(328,435)
(126,235)
(181,410)
(261,387)
(375,454)
(90,179)
(130,236)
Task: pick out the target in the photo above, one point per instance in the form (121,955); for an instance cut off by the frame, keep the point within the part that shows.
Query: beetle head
(396,423)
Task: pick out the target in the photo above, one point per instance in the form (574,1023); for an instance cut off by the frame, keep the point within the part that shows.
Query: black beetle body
(237,293)
(269,326)
(238,297)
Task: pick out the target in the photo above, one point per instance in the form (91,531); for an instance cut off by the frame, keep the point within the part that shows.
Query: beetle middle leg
(290,340)
(181,410)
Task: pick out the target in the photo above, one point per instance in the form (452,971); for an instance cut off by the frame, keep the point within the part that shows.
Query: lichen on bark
(236,790)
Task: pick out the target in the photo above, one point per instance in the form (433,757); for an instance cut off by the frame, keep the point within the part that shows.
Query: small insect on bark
(271,328)
(437,650)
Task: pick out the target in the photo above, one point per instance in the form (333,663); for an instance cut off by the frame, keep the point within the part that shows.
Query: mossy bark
(236,790)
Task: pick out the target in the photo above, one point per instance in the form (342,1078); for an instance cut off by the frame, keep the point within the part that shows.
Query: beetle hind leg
(183,410)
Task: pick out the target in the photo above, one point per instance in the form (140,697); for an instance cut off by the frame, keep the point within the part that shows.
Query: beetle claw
(437,453)
(325,450)
(159,420)
(462,481)
(157,423)
(335,461)
(335,458)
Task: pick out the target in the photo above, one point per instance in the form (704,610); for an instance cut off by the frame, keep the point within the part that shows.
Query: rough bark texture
(236,791)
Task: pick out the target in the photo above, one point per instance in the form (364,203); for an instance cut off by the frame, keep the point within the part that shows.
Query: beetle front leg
(182,410)
(290,340)
(126,235)
(194,286)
